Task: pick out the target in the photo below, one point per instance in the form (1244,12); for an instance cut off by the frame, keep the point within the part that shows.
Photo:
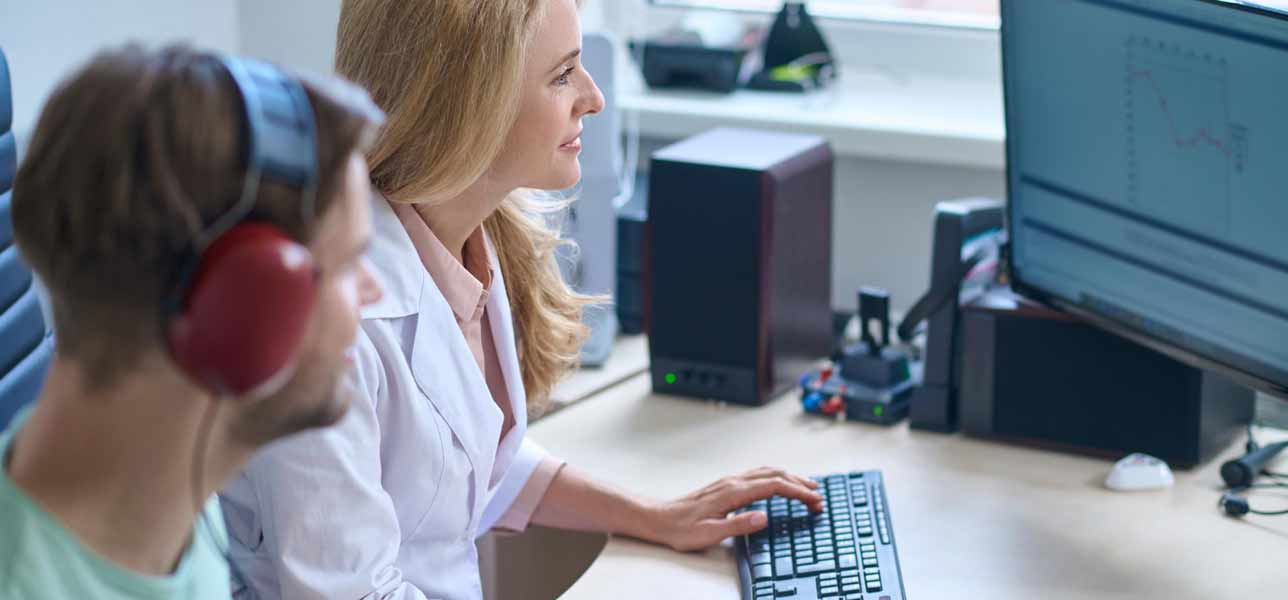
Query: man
(140,163)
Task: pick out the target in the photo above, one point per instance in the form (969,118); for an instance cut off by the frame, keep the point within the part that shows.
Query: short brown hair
(132,158)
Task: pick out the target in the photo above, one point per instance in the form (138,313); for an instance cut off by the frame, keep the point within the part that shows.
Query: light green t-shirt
(39,558)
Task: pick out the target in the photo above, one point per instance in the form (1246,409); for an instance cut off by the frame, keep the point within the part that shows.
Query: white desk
(629,358)
(972,519)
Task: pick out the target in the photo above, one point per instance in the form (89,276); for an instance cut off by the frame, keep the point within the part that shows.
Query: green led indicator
(670,378)
(878,410)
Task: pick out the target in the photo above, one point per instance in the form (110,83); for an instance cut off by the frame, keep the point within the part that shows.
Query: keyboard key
(819,567)
(836,548)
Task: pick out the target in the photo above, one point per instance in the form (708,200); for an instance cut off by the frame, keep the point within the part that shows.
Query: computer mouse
(1136,472)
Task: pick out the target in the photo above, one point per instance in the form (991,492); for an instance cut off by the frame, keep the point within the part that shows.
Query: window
(972,14)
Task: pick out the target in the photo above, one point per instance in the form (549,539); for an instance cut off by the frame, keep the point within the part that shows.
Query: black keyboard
(846,552)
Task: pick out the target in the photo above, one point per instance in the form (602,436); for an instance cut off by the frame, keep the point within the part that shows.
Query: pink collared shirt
(466,288)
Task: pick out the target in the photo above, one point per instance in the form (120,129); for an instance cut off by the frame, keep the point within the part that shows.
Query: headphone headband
(278,131)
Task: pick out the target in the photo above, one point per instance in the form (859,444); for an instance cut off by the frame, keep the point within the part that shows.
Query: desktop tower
(738,300)
(1035,375)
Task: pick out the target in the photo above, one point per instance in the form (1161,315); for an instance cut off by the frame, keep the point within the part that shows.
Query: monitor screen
(1147,159)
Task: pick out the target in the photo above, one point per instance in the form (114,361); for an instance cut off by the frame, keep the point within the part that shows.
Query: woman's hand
(701,519)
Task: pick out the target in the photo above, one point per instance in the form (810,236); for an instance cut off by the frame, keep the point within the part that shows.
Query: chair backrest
(25,347)
(592,220)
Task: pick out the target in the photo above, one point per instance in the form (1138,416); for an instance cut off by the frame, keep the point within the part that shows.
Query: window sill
(908,93)
(925,118)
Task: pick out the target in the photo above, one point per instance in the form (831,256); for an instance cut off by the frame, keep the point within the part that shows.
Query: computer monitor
(1147,159)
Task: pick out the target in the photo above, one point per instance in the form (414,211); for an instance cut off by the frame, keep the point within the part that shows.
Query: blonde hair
(448,74)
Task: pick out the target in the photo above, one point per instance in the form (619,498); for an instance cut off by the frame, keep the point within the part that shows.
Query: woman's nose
(594,99)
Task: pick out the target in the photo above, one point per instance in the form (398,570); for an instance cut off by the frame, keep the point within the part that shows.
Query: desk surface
(629,358)
(973,519)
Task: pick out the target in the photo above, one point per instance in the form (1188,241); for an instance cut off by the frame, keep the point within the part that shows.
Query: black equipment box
(1036,375)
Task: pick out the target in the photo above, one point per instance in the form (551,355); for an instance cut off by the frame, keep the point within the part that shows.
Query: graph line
(1202,136)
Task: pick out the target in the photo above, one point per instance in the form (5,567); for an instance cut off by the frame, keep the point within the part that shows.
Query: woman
(485,100)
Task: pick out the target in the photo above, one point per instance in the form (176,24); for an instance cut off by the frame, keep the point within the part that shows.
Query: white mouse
(1136,472)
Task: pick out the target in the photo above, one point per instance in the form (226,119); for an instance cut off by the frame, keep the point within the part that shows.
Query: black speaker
(1035,375)
(739,263)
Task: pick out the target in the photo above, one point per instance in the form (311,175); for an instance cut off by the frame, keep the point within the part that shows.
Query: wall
(47,40)
(296,33)
(301,33)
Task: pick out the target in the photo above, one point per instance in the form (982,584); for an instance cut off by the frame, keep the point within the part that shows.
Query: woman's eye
(563,77)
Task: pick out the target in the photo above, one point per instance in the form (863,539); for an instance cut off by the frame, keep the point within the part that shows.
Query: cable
(1252,446)
(1236,506)
(935,298)
(1240,474)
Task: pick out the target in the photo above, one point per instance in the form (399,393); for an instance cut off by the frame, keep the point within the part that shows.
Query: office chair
(26,347)
(592,220)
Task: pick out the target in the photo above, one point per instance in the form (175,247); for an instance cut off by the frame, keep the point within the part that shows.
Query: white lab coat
(388,502)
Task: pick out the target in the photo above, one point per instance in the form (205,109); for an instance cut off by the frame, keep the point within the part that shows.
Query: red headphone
(241,307)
